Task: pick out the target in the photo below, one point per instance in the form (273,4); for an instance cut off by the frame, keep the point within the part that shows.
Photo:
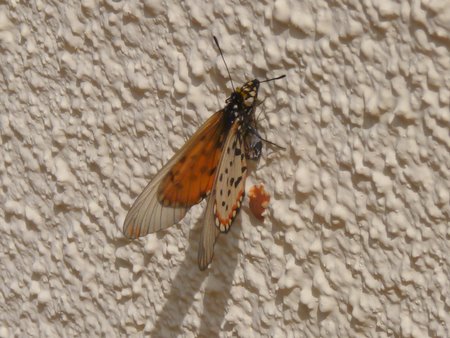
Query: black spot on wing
(237,181)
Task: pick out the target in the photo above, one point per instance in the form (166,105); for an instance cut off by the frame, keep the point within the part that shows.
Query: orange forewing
(191,178)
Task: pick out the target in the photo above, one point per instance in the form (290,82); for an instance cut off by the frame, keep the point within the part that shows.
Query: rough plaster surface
(97,95)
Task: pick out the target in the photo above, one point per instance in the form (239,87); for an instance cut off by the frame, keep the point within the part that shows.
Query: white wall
(96,96)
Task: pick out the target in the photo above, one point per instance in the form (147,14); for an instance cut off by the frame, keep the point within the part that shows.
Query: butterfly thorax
(241,103)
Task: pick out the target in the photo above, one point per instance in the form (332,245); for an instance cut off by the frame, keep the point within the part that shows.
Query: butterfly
(212,164)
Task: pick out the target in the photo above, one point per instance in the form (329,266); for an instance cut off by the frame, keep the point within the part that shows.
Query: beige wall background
(97,95)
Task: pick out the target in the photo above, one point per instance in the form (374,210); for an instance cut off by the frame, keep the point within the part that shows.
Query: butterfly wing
(184,181)
(226,196)
(209,235)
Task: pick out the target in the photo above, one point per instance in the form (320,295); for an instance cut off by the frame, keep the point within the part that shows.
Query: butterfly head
(248,92)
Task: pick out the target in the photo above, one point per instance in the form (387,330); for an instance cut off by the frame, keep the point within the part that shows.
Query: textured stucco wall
(97,95)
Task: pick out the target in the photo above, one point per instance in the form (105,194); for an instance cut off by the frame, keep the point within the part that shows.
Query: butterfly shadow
(187,289)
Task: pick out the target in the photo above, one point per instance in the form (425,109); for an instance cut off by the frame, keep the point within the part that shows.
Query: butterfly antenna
(221,54)
(275,78)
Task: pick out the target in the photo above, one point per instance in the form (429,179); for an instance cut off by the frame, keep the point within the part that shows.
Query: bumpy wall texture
(96,96)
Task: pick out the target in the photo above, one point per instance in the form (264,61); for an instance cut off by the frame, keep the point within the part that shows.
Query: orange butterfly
(211,163)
